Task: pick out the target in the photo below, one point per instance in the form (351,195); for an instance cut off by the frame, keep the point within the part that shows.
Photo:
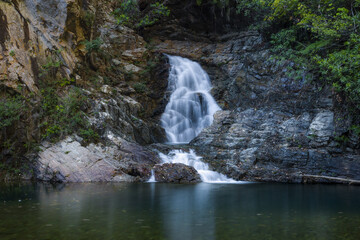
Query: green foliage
(51,67)
(317,39)
(94,45)
(64,82)
(129,14)
(12,53)
(342,140)
(150,66)
(65,115)
(88,135)
(127,10)
(356,129)
(10,111)
(88,18)
(322,38)
(140,87)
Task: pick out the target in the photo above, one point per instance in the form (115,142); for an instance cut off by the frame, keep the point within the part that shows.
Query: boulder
(176,173)
(69,161)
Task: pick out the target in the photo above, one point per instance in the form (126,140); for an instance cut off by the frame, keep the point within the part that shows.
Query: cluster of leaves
(65,115)
(129,14)
(10,111)
(64,104)
(323,39)
(94,45)
(140,87)
(88,18)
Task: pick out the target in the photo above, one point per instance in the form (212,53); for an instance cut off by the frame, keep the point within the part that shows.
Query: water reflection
(170,211)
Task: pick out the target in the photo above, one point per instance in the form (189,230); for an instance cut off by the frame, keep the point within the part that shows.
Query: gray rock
(322,128)
(116,62)
(267,145)
(69,161)
(176,173)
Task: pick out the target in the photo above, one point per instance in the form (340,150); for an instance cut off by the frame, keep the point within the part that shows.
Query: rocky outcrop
(275,127)
(69,161)
(117,114)
(267,145)
(31,31)
(176,173)
(43,45)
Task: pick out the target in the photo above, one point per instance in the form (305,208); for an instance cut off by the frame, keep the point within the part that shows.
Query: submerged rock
(176,173)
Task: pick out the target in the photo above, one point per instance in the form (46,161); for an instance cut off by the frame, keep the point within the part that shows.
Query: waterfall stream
(190,109)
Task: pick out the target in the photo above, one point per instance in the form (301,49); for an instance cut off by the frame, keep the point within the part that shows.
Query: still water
(171,211)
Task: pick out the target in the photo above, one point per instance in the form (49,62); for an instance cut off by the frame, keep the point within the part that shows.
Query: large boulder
(176,173)
(69,161)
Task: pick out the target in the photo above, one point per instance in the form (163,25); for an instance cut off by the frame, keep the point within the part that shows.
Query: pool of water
(174,211)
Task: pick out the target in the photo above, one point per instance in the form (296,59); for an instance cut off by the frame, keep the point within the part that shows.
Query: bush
(140,87)
(64,115)
(129,14)
(94,45)
(322,39)
(10,111)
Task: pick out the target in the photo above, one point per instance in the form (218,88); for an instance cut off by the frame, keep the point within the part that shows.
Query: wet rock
(267,145)
(176,173)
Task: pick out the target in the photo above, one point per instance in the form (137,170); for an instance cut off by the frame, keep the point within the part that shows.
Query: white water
(191,159)
(152,178)
(191,108)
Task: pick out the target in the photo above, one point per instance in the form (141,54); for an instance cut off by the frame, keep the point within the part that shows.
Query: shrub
(94,45)
(10,111)
(129,14)
(140,87)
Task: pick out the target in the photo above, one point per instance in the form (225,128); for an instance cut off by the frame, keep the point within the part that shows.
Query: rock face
(30,32)
(176,173)
(123,84)
(68,161)
(274,128)
(267,145)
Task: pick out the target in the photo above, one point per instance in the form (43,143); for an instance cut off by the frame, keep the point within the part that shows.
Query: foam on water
(193,160)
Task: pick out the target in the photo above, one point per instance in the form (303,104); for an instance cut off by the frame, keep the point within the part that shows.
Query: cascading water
(191,159)
(191,108)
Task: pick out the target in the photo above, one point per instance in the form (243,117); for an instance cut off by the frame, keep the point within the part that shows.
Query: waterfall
(191,159)
(191,108)
(152,177)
